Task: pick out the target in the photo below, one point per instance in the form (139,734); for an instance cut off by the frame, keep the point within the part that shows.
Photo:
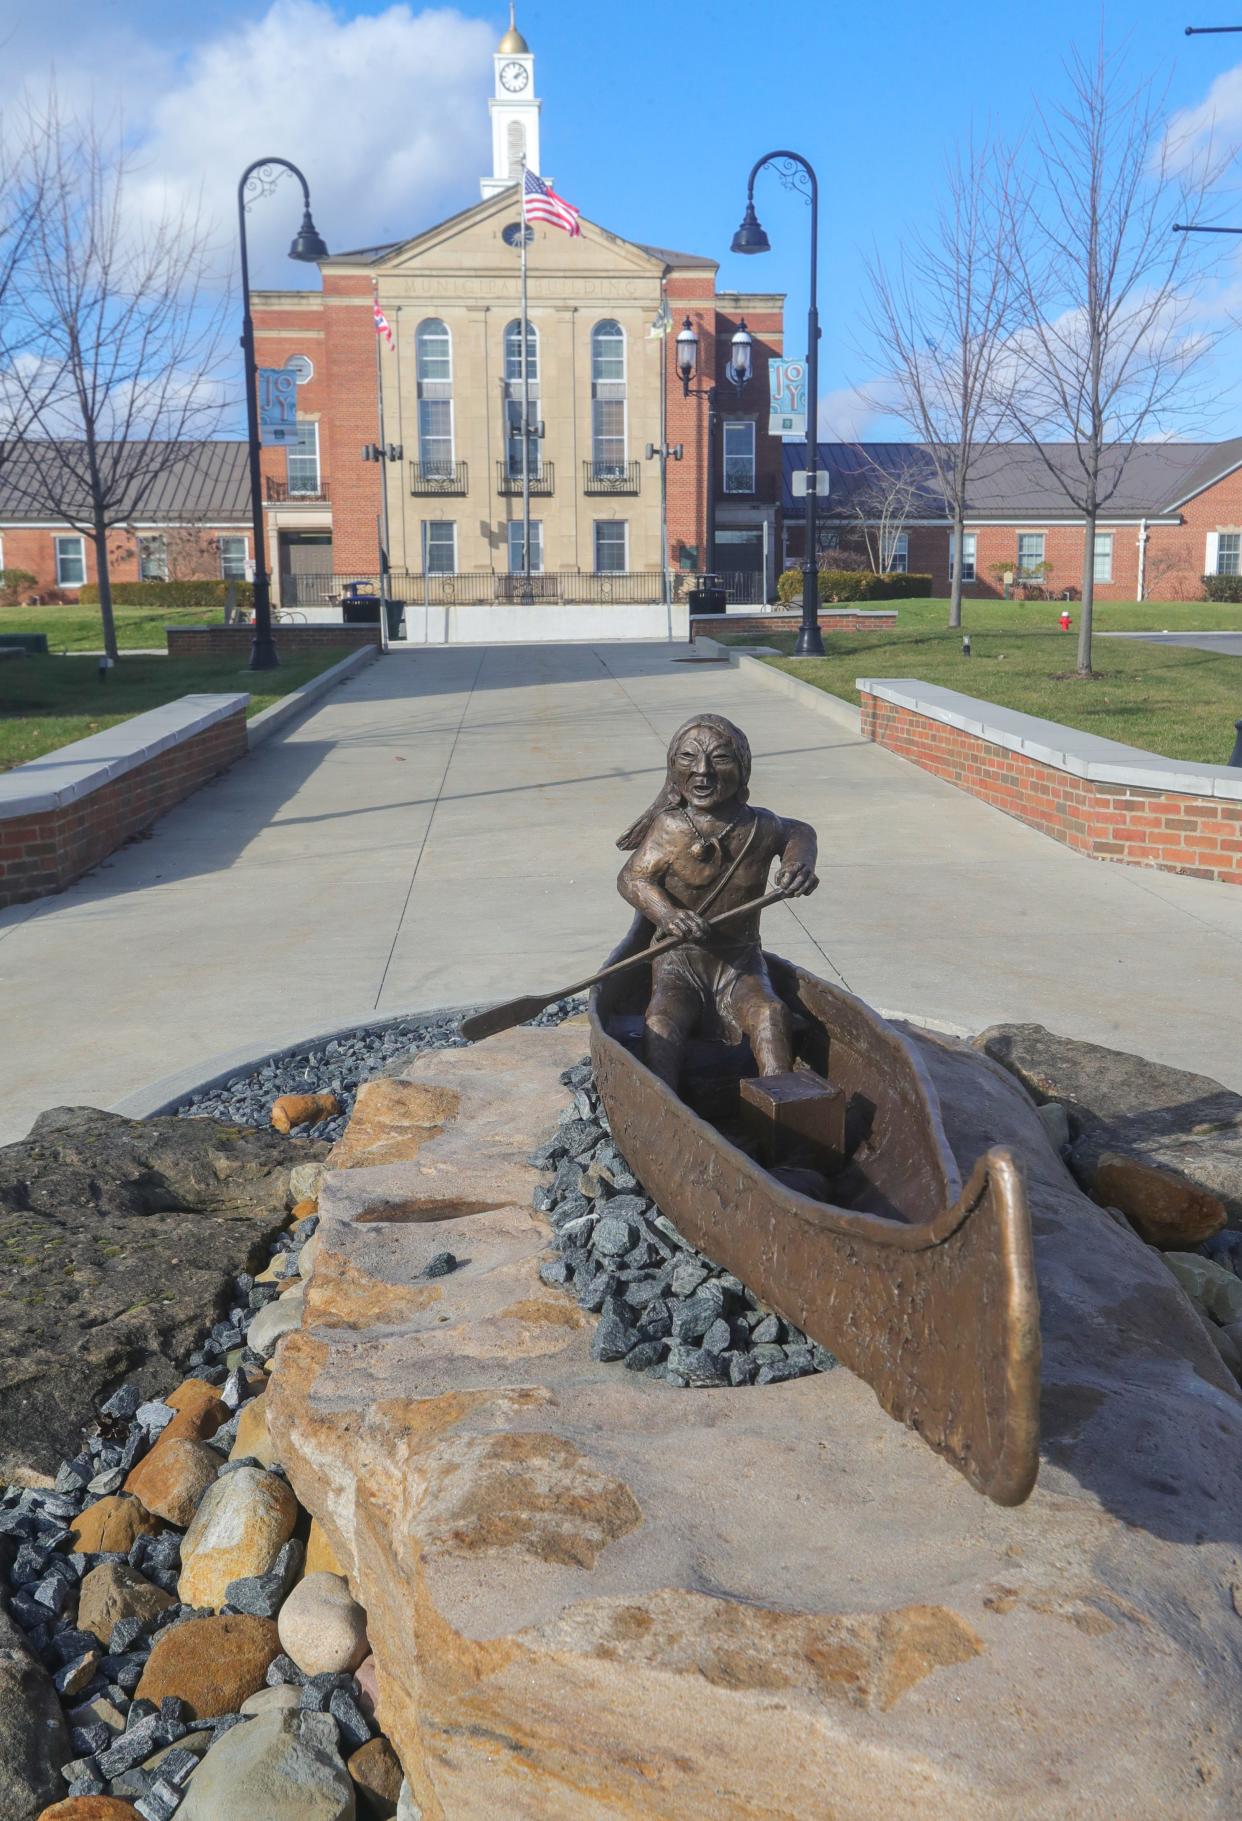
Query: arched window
(433,365)
(516,146)
(608,400)
(513,352)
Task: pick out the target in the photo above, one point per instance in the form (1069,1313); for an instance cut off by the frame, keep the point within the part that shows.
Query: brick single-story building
(1175,515)
(194,524)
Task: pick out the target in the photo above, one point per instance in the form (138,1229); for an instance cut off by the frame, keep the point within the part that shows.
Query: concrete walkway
(441,832)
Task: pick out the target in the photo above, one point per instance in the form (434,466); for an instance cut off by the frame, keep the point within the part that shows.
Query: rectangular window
(516,566)
(234,555)
(608,436)
(1030,554)
(513,439)
(899,554)
(1103,556)
(1228,552)
(70,562)
(303,459)
(152,559)
(969,546)
(440,546)
(435,436)
(739,457)
(610,546)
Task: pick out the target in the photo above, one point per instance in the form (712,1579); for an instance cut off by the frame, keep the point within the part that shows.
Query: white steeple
(514,111)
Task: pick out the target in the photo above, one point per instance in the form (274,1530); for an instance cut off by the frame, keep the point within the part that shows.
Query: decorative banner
(278,406)
(787,404)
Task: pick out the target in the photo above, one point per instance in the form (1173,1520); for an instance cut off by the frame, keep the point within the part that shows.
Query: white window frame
(514,328)
(1,550)
(899,554)
(155,543)
(747,425)
(69,538)
(513,442)
(970,549)
(1029,571)
(1234,557)
(295,454)
(421,337)
(443,468)
(1102,573)
(305,369)
(515,546)
(438,524)
(609,379)
(233,537)
(610,524)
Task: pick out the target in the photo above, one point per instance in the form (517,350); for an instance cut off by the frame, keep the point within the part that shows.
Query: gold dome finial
(513,41)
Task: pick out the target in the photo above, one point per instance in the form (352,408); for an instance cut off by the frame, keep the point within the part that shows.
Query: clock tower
(514,111)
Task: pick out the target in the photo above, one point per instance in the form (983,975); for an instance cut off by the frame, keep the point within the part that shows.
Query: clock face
(514,76)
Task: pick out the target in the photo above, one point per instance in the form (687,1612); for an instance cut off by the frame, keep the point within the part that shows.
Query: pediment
(471,243)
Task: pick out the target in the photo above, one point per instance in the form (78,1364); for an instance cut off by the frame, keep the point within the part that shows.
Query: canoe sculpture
(921,1285)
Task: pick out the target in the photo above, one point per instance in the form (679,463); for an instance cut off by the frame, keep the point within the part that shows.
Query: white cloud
(850,414)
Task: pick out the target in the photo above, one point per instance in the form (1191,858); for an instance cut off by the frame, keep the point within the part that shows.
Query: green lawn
(47,702)
(81,629)
(1164,698)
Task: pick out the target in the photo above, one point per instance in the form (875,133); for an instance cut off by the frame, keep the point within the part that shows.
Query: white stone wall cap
(74,771)
(1088,756)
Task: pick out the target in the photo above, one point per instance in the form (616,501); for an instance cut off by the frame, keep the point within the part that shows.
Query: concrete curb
(281,715)
(817,700)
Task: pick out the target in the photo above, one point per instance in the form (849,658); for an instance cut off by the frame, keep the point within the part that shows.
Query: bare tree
(943,315)
(1108,290)
(122,342)
(22,199)
(882,502)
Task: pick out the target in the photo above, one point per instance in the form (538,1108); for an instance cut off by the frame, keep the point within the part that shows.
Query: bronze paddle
(517,1011)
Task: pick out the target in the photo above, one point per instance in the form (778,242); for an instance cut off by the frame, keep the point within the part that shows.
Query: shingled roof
(208,483)
(1012,480)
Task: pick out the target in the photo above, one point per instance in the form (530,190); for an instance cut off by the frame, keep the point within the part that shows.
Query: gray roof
(677,259)
(207,481)
(1011,480)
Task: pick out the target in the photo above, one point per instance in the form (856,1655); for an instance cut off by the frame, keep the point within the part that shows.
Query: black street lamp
(260,179)
(738,371)
(797,173)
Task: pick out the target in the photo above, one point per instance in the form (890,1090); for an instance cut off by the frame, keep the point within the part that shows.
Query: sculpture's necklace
(708,850)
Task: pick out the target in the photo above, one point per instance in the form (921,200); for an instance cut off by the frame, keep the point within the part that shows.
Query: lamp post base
(263,653)
(810,639)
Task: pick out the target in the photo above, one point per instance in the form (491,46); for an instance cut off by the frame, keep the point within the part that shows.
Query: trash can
(394,613)
(358,609)
(708,596)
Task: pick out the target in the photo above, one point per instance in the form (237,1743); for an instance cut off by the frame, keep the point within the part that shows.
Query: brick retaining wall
(716,625)
(46,848)
(1174,831)
(293,640)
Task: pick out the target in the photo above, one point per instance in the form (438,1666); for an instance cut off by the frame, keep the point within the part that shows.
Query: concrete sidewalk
(441,832)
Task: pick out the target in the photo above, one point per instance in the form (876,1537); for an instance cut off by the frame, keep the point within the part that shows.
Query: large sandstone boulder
(34,1739)
(1163,1145)
(118,1239)
(592,1596)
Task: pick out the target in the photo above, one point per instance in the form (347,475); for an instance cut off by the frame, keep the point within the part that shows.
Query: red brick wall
(1166,829)
(193,554)
(294,641)
(754,626)
(45,852)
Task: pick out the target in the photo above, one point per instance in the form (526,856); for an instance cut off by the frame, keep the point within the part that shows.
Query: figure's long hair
(671,797)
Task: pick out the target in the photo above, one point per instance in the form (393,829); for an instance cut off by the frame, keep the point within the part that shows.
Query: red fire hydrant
(1066,622)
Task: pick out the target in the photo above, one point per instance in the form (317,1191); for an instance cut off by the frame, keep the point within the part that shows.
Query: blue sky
(652,114)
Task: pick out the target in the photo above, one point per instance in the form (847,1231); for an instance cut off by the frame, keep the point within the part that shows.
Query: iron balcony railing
(610,477)
(280,493)
(509,478)
(439,477)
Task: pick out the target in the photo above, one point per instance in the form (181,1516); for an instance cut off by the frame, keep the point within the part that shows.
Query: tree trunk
(1088,595)
(955,579)
(100,541)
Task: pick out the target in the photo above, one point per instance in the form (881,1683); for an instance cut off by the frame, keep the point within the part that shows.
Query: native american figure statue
(703,847)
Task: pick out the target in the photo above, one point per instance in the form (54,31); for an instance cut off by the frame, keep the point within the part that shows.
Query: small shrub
(14,583)
(1222,588)
(854,585)
(162,596)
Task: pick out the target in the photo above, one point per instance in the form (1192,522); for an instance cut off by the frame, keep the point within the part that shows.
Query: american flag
(381,322)
(540,202)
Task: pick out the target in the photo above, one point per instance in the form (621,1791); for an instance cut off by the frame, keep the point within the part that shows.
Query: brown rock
(90,1808)
(252,1437)
(212,1664)
(303,1109)
(377,1776)
(172,1479)
(544,1526)
(115,1591)
(392,1120)
(113,1525)
(320,1555)
(367,1677)
(1161,1206)
(237,1531)
(302,1210)
(200,1412)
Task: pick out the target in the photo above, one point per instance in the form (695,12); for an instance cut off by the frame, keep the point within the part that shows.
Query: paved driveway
(1223,644)
(441,831)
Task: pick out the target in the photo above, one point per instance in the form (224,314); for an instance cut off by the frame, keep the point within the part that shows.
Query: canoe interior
(898,1164)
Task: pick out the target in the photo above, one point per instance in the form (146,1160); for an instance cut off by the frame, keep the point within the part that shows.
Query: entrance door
(740,556)
(305,568)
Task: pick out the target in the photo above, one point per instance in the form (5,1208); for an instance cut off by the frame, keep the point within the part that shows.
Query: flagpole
(381,527)
(525,409)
